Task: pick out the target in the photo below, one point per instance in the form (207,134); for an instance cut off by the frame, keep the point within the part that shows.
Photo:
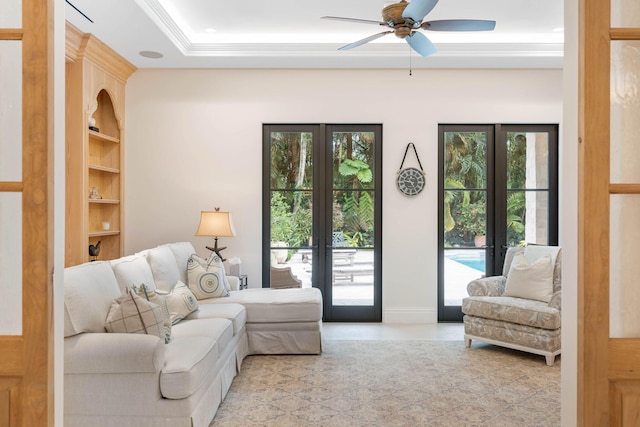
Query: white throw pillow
(181,302)
(212,262)
(206,282)
(151,295)
(530,281)
(131,314)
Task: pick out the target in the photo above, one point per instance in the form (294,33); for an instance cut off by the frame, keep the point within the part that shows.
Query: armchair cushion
(514,310)
(530,280)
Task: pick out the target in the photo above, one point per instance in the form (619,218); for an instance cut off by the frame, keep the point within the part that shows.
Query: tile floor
(385,331)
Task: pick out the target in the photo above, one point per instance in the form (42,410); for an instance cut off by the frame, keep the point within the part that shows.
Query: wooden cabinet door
(26,206)
(609,205)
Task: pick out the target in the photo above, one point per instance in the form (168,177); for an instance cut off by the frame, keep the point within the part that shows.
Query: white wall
(193,140)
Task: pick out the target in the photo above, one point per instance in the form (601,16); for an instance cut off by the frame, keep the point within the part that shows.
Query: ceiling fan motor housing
(392,14)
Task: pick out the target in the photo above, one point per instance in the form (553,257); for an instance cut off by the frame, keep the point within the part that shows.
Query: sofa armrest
(487,286)
(556,300)
(112,353)
(234,282)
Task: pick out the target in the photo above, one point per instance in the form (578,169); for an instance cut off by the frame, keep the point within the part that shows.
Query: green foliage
(352,210)
(289,225)
(291,159)
(470,221)
(281,224)
(464,208)
(353,154)
(516,208)
(357,168)
(465,158)
(451,197)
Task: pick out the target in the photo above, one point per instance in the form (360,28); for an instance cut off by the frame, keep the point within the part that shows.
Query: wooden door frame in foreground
(608,368)
(26,360)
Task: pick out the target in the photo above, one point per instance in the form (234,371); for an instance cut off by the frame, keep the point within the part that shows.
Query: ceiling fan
(405,19)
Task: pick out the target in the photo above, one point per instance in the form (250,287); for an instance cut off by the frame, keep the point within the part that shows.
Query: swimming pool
(473,259)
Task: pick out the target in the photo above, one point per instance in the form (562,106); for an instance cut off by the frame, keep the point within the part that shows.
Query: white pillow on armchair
(530,280)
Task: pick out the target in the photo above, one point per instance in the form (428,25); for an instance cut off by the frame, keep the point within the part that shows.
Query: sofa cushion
(236,313)
(530,280)
(134,315)
(219,329)
(182,251)
(205,282)
(265,305)
(188,364)
(515,310)
(163,267)
(133,270)
(89,290)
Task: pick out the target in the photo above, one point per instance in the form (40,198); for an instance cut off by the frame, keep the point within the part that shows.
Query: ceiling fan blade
(421,44)
(418,9)
(459,25)
(360,21)
(365,40)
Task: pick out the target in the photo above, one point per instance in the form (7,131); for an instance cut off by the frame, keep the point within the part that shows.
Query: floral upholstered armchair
(521,308)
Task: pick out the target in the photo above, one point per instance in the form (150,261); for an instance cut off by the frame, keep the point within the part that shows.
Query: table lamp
(215,224)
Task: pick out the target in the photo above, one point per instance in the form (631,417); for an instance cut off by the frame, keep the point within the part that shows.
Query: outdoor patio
(353,276)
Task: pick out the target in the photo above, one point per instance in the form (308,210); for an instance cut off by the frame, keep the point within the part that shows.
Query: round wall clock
(410,181)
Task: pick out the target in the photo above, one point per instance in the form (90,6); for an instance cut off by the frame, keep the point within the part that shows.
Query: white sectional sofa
(126,379)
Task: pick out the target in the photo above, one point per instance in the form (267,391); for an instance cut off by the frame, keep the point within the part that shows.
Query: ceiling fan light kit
(405,19)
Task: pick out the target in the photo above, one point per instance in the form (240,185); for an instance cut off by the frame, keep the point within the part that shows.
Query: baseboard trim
(410,315)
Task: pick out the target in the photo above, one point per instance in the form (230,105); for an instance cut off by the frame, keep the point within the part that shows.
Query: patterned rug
(395,383)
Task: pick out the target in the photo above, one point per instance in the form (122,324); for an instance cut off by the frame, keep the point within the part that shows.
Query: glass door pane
(291,198)
(465,212)
(352,218)
(527,208)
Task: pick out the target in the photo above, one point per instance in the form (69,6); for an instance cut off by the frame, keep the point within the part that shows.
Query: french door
(498,188)
(322,214)
(608,209)
(26,213)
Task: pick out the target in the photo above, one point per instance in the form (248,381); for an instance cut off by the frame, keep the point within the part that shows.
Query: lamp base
(216,249)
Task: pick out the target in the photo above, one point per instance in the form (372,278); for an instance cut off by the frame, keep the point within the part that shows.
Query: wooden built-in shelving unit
(96,78)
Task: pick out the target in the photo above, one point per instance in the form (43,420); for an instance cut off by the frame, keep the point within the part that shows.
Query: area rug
(395,383)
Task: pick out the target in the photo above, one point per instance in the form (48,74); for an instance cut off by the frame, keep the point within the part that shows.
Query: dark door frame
(496,189)
(322,219)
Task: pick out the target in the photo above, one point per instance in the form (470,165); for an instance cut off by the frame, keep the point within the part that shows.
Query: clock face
(411,181)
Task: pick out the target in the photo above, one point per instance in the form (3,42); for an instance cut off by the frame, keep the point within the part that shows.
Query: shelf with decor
(96,78)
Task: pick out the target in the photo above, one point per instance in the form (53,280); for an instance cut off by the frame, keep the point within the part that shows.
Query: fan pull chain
(410,58)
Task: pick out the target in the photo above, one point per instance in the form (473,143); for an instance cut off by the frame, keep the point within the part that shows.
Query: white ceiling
(290,33)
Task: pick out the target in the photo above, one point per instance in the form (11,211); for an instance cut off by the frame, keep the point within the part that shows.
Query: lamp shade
(215,224)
